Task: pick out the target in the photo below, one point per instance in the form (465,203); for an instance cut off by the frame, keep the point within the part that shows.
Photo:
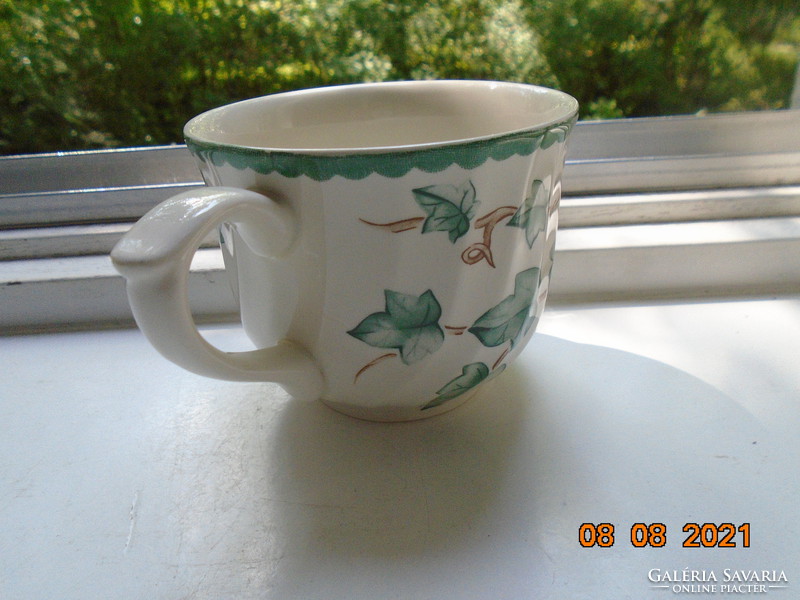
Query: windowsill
(649,262)
(125,476)
(660,386)
(653,209)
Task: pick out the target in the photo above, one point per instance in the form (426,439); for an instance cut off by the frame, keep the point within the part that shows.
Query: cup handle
(155,256)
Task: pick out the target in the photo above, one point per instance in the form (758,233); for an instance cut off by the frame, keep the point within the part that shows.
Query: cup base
(395,414)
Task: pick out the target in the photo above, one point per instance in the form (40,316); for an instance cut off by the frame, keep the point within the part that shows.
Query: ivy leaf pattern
(449,208)
(532,215)
(409,324)
(511,319)
(471,375)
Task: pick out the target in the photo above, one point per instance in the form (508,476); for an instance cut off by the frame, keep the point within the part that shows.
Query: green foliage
(653,57)
(80,74)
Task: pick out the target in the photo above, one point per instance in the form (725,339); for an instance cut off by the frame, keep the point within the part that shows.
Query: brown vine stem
(499,360)
(477,252)
(397,226)
(483,251)
(372,363)
(455,330)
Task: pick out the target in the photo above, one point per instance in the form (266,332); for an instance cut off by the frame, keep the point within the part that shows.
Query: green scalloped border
(395,163)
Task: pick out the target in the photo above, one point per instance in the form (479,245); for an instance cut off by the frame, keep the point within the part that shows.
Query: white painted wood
(68,240)
(629,155)
(125,477)
(678,174)
(674,207)
(682,173)
(576,211)
(91,205)
(86,292)
(743,257)
(758,257)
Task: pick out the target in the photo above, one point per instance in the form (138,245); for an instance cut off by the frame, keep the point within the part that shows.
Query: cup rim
(566,105)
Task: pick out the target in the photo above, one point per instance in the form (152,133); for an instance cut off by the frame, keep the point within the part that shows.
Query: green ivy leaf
(409,324)
(449,208)
(532,215)
(471,375)
(512,317)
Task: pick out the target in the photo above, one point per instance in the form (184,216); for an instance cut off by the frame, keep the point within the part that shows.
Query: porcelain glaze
(390,244)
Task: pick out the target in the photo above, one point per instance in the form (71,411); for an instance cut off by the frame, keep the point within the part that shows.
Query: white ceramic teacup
(390,244)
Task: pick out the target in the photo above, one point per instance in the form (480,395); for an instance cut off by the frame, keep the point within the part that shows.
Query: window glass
(80,74)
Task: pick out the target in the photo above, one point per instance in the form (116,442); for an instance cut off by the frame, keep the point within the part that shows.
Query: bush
(77,74)
(648,57)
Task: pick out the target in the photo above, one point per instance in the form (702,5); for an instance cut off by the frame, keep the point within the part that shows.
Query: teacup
(390,244)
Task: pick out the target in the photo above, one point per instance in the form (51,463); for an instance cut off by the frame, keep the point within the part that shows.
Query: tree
(654,57)
(80,74)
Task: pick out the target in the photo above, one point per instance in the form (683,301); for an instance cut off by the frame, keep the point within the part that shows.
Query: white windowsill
(661,386)
(653,208)
(691,260)
(125,476)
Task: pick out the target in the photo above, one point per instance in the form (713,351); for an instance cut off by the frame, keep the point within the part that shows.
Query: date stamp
(689,535)
(654,535)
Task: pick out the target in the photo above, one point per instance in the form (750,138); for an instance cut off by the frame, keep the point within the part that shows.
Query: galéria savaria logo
(724,581)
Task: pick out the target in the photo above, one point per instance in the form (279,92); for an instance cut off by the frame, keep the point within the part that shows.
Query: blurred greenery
(80,74)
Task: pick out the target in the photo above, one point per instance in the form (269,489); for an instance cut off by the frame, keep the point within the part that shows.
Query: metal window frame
(714,191)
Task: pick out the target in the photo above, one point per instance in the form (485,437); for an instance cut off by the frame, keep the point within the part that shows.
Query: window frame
(704,186)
